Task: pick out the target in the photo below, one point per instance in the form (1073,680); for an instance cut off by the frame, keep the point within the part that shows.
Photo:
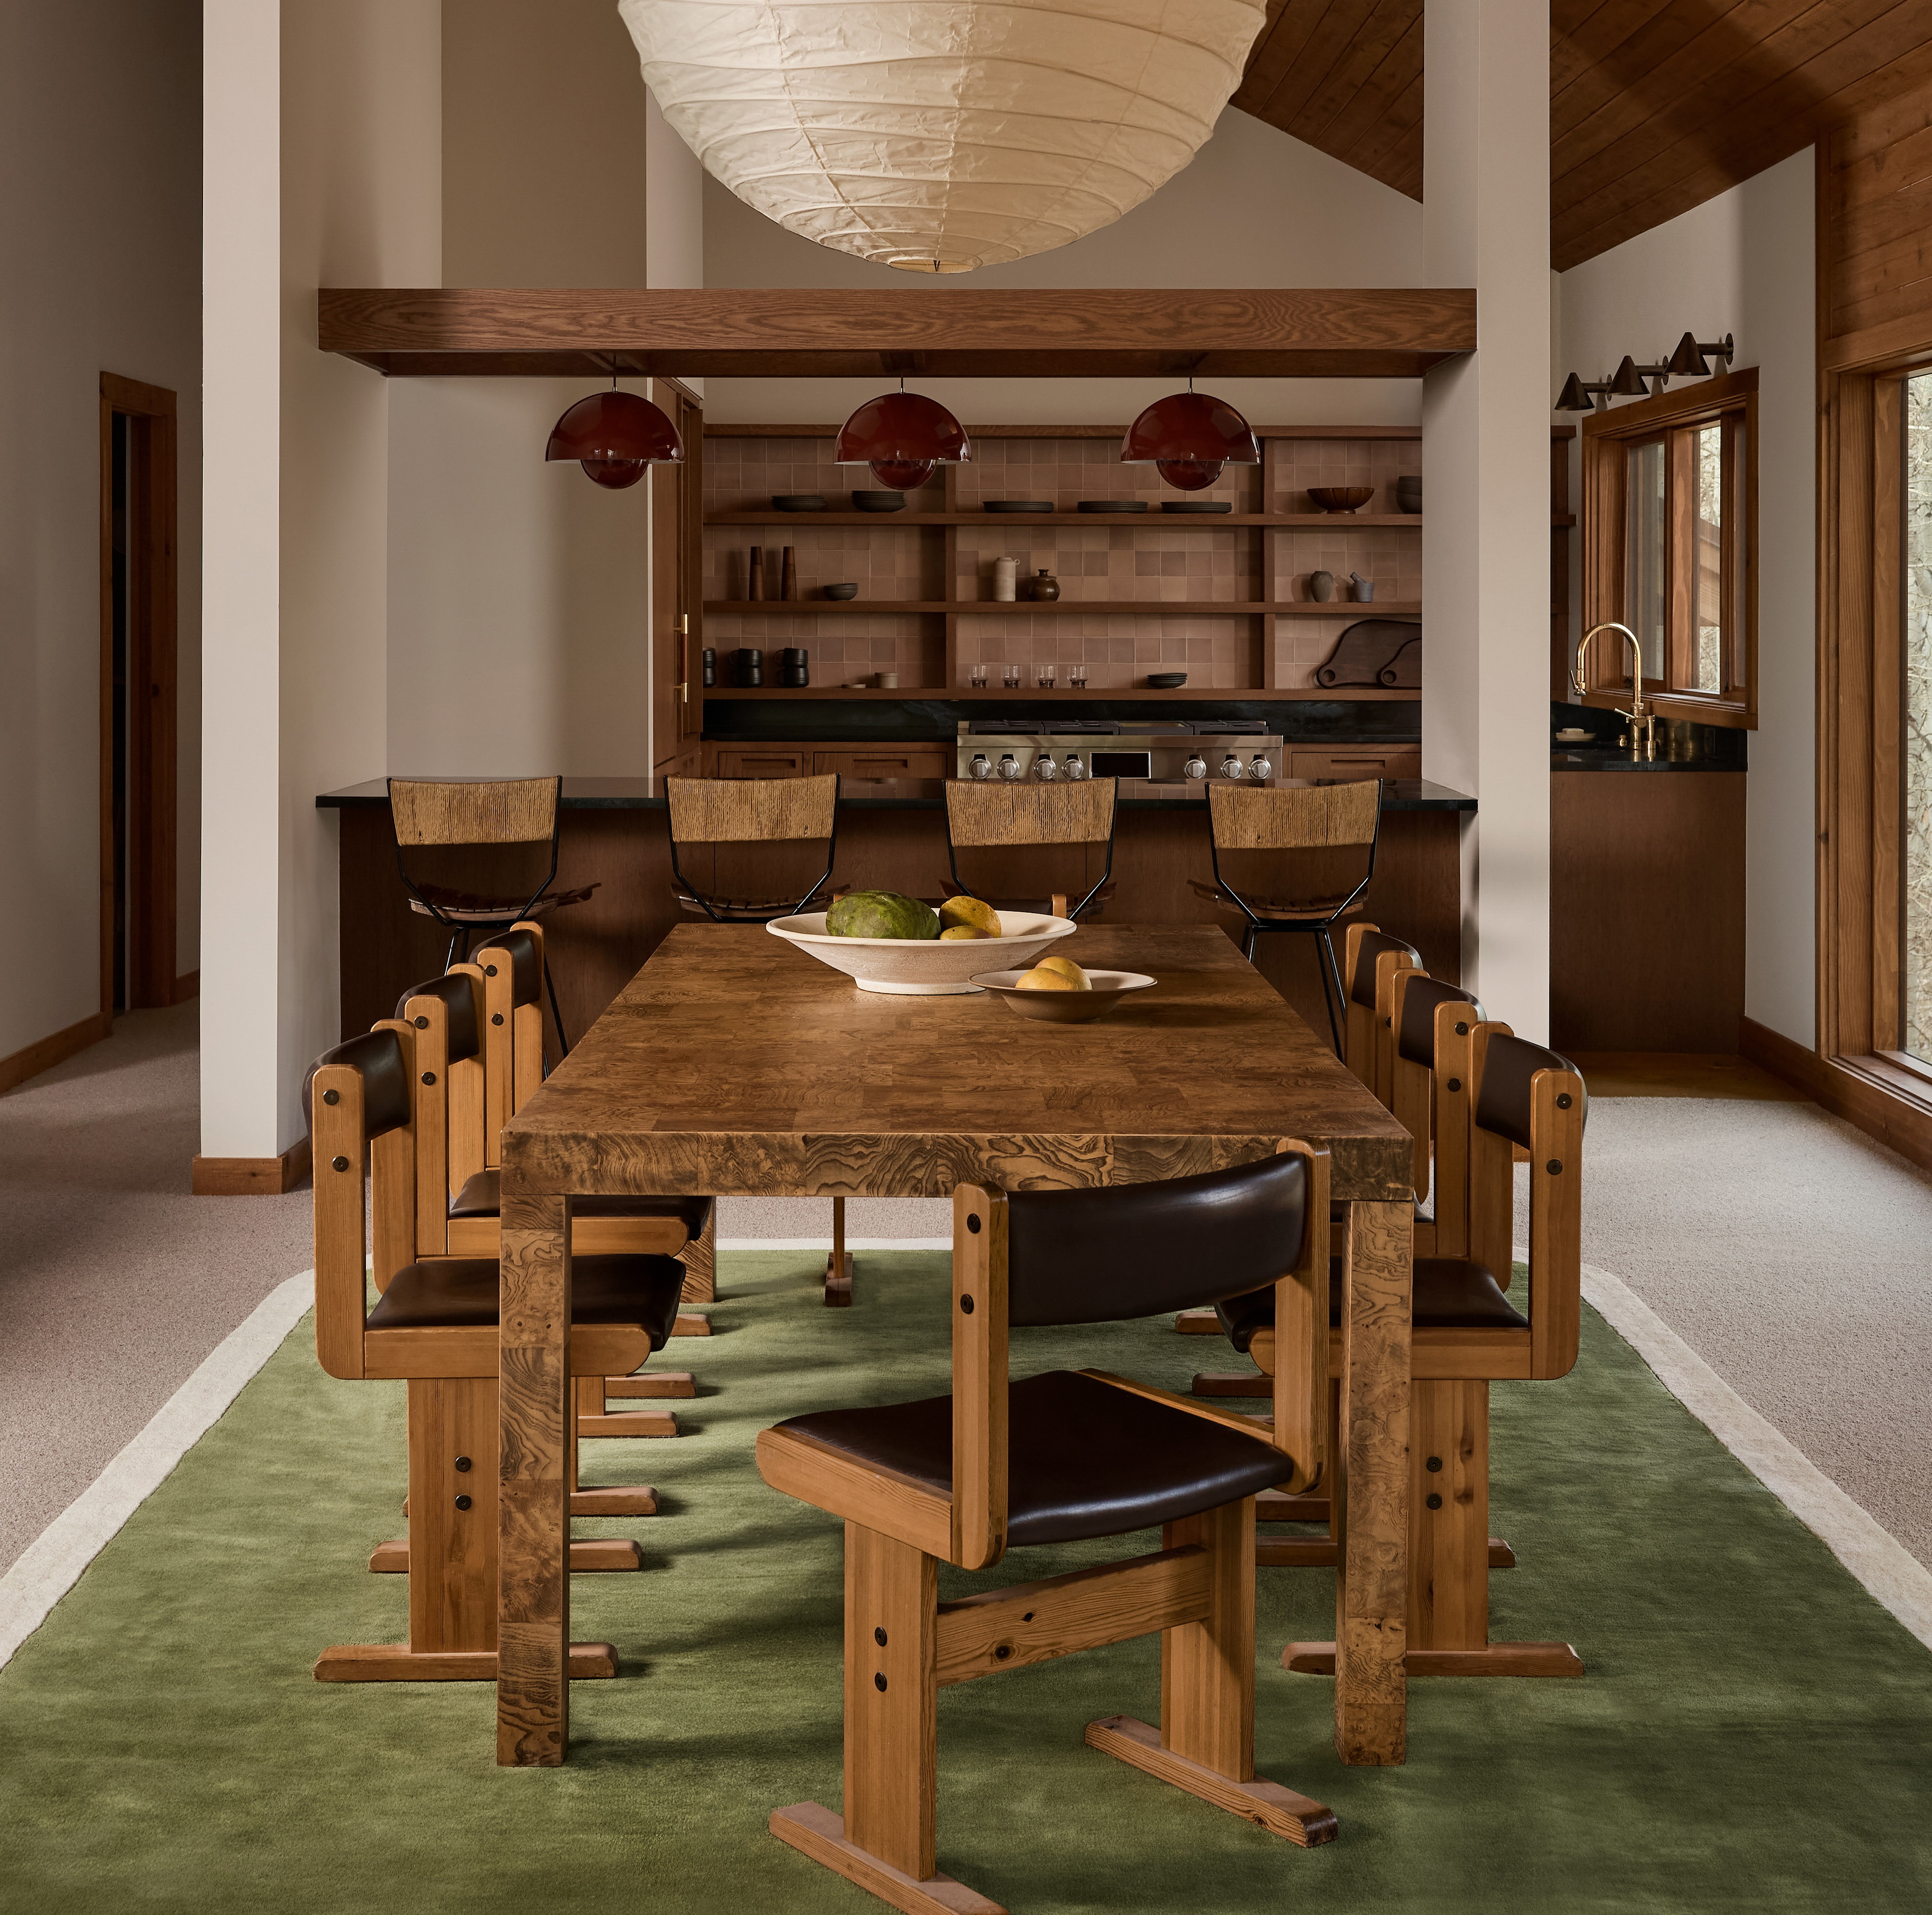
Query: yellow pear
(958,932)
(983,918)
(1075,977)
(1038,979)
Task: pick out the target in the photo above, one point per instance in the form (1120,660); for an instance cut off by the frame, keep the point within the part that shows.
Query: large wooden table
(733,1064)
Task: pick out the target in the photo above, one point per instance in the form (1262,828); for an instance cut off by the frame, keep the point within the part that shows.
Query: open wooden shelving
(1218,694)
(1166,521)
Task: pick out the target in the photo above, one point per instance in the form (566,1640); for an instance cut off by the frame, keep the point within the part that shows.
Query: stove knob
(981,766)
(1261,766)
(1076,768)
(1046,770)
(1009,766)
(1196,766)
(1231,766)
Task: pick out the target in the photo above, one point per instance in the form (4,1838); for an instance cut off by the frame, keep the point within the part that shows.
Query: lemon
(983,918)
(958,932)
(1040,979)
(1076,978)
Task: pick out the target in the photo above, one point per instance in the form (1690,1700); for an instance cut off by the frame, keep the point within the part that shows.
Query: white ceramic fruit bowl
(919,967)
(1106,989)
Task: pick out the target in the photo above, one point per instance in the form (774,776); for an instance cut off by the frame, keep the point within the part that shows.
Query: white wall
(100,233)
(1256,208)
(323,134)
(1743,263)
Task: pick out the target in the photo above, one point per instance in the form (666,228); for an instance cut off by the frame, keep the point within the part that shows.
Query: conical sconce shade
(1688,361)
(1572,398)
(1627,382)
(614,436)
(1188,437)
(902,436)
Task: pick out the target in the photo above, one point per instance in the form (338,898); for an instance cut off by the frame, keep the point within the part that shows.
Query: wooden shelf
(1381,608)
(1168,521)
(1217,694)
(1140,608)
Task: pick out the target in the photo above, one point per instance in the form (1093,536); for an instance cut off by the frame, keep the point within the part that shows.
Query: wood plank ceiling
(1655,105)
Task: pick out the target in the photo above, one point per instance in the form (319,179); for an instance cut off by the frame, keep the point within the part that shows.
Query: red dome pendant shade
(1188,437)
(902,435)
(614,436)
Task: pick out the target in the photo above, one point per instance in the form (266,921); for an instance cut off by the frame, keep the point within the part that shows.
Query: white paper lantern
(941,135)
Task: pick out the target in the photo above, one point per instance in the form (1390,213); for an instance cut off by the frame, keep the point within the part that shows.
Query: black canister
(708,661)
(794,666)
(750,664)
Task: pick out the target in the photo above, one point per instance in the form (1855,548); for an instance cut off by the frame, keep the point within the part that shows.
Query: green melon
(881,914)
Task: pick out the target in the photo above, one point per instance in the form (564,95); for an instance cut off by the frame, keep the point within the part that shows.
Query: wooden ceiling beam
(1281,333)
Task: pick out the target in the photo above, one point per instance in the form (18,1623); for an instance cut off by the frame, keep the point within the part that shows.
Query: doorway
(138,507)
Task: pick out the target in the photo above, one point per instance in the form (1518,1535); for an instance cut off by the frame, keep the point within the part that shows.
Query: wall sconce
(1577,396)
(902,435)
(1188,437)
(614,436)
(1628,381)
(1690,360)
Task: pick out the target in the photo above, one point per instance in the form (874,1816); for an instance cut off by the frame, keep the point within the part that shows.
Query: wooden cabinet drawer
(1345,762)
(886,761)
(746,761)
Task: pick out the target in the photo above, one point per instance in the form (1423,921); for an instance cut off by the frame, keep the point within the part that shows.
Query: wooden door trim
(152,661)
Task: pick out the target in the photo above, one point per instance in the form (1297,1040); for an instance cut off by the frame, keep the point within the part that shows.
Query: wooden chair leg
(885,1841)
(594,1420)
(838,1265)
(1205,1743)
(453,1545)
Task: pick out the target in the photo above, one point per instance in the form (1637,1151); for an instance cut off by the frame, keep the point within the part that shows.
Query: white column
(1486,458)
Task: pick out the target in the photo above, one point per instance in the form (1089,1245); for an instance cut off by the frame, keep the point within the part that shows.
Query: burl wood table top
(734,1064)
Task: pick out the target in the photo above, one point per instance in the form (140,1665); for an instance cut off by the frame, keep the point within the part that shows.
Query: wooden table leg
(838,1265)
(1371,1490)
(535,1404)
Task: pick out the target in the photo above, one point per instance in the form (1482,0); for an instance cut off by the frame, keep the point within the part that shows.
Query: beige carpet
(115,1282)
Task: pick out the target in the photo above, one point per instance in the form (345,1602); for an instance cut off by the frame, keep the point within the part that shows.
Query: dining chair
(479,854)
(1295,859)
(1373,958)
(434,1325)
(1061,1457)
(1467,1333)
(748,841)
(1031,844)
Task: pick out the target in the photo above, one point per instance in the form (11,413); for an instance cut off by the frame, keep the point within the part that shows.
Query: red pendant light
(902,435)
(614,436)
(1188,437)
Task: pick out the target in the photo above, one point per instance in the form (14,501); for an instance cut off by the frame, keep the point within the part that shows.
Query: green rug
(1754,1733)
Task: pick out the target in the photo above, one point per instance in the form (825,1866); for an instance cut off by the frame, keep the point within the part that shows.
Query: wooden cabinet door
(1346,762)
(886,761)
(761,761)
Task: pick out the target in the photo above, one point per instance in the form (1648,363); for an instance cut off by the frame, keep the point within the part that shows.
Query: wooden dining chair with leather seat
(1374,961)
(1062,1458)
(1031,846)
(434,1324)
(1465,1333)
(1294,859)
(742,850)
(477,855)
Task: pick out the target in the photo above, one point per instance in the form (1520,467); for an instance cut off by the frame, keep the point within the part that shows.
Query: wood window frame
(1608,438)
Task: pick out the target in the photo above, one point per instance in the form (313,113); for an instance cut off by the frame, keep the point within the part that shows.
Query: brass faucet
(1643,723)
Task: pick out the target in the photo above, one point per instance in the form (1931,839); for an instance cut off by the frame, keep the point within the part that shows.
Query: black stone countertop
(1682,744)
(876,795)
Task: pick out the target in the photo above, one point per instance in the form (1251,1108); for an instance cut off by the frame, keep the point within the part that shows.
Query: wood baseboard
(251,1177)
(46,1052)
(1891,1114)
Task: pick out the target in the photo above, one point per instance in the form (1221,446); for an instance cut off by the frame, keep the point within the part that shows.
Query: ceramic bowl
(1063,1007)
(1575,735)
(842,592)
(915,967)
(1341,498)
(878,501)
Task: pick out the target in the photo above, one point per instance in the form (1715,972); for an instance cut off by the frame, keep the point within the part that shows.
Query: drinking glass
(975,677)
(1043,676)
(1009,676)
(1076,677)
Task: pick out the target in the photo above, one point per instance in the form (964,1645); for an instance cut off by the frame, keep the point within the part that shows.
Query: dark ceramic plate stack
(1113,505)
(1167,680)
(798,502)
(878,501)
(1019,504)
(1195,505)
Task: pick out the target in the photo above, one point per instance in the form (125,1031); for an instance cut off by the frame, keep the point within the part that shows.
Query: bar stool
(435,1324)
(463,820)
(778,817)
(1055,1458)
(1023,822)
(1294,858)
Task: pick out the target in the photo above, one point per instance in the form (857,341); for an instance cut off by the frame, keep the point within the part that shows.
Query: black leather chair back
(1102,1256)
(378,1055)
(457,991)
(1416,1040)
(525,966)
(1503,1097)
(1362,985)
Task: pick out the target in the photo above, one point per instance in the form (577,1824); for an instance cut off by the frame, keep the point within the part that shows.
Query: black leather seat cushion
(461,1292)
(1450,1293)
(482,1196)
(1087,1459)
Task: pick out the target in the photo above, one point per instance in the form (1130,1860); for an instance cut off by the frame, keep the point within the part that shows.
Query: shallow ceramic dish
(1064,1007)
(1167,680)
(1341,498)
(878,501)
(918,967)
(1196,505)
(1018,505)
(1574,735)
(1111,505)
(798,502)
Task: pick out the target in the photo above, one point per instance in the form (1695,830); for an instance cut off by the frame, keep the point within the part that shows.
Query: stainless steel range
(1178,760)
